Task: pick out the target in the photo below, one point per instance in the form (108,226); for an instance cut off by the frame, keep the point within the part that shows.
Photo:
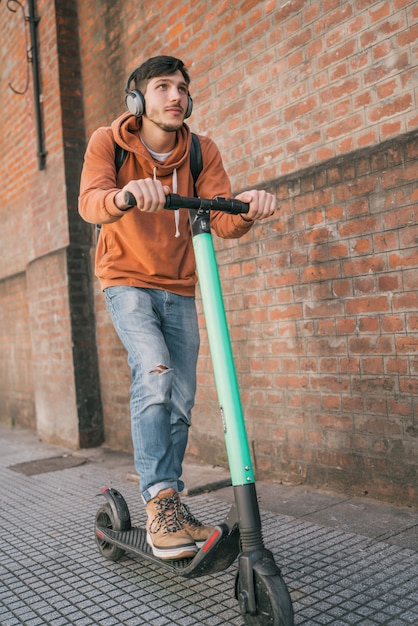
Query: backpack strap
(120,156)
(196,162)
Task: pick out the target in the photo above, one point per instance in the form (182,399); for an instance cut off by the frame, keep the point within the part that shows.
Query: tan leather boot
(166,533)
(198,531)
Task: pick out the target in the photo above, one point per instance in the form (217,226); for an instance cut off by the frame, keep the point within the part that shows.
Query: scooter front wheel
(273,603)
(105,518)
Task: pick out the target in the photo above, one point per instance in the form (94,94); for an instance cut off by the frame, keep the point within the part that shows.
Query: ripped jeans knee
(160,369)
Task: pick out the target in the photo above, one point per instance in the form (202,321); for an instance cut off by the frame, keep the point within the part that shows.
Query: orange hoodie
(137,248)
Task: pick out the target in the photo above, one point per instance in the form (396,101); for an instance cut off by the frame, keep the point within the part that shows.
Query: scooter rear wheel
(106,518)
(273,603)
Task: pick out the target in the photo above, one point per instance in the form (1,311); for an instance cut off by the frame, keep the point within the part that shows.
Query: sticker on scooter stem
(223,418)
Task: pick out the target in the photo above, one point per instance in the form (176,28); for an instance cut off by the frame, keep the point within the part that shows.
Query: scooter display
(262,594)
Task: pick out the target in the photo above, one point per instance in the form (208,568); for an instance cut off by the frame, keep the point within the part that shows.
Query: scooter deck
(219,552)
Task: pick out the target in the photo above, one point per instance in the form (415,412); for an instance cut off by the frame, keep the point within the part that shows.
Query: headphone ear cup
(189,107)
(135,102)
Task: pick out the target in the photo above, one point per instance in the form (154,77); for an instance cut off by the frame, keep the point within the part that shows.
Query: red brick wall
(314,298)
(279,87)
(322,305)
(314,100)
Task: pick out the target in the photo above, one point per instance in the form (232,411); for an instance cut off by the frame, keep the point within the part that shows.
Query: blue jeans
(160,333)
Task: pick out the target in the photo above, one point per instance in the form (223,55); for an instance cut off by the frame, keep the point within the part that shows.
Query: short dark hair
(158,66)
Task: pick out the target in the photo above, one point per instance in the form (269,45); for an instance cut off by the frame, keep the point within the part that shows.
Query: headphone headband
(130,79)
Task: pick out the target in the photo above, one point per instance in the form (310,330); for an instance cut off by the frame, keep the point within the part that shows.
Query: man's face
(166,99)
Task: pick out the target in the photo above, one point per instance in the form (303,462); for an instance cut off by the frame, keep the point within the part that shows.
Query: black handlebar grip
(232,206)
(129,199)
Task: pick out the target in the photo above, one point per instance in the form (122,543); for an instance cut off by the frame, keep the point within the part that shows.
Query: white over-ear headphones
(135,100)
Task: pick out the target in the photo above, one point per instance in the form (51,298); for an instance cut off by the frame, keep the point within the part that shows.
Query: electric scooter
(259,588)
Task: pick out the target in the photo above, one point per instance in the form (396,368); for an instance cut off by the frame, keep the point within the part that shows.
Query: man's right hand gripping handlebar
(146,194)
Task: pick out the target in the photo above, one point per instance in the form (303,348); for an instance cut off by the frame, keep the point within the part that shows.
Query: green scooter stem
(236,440)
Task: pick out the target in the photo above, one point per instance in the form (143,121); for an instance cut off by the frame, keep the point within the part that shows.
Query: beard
(168,127)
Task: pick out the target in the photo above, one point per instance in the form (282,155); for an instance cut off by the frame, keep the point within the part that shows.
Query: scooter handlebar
(174,201)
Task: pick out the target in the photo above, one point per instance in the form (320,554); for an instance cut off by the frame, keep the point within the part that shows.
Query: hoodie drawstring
(177,211)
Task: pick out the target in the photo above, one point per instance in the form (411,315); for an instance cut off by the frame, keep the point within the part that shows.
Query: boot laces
(167,518)
(188,516)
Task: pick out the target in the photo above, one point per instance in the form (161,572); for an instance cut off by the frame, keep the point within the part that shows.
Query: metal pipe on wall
(32,58)
(33,24)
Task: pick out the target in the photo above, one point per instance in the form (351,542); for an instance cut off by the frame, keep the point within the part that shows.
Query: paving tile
(52,573)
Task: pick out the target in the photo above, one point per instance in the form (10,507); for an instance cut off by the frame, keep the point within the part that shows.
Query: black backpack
(196,164)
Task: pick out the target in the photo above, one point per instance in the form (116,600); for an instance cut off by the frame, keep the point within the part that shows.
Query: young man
(146,267)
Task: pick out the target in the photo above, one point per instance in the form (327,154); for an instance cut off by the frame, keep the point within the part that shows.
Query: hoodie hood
(126,130)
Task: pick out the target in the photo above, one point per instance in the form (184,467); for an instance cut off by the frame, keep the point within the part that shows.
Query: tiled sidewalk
(51,572)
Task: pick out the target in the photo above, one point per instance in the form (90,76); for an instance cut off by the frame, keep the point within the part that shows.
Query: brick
(382,11)
(388,282)
(288,9)
(362,305)
(408,36)
(334,17)
(358,207)
(299,109)
(405,301)
(383,30)
(403,260)
(333,93)
(344,51)
(390,108)
(360,226)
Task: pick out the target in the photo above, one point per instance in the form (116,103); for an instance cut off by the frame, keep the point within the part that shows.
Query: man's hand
(262,204)
(149,195)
